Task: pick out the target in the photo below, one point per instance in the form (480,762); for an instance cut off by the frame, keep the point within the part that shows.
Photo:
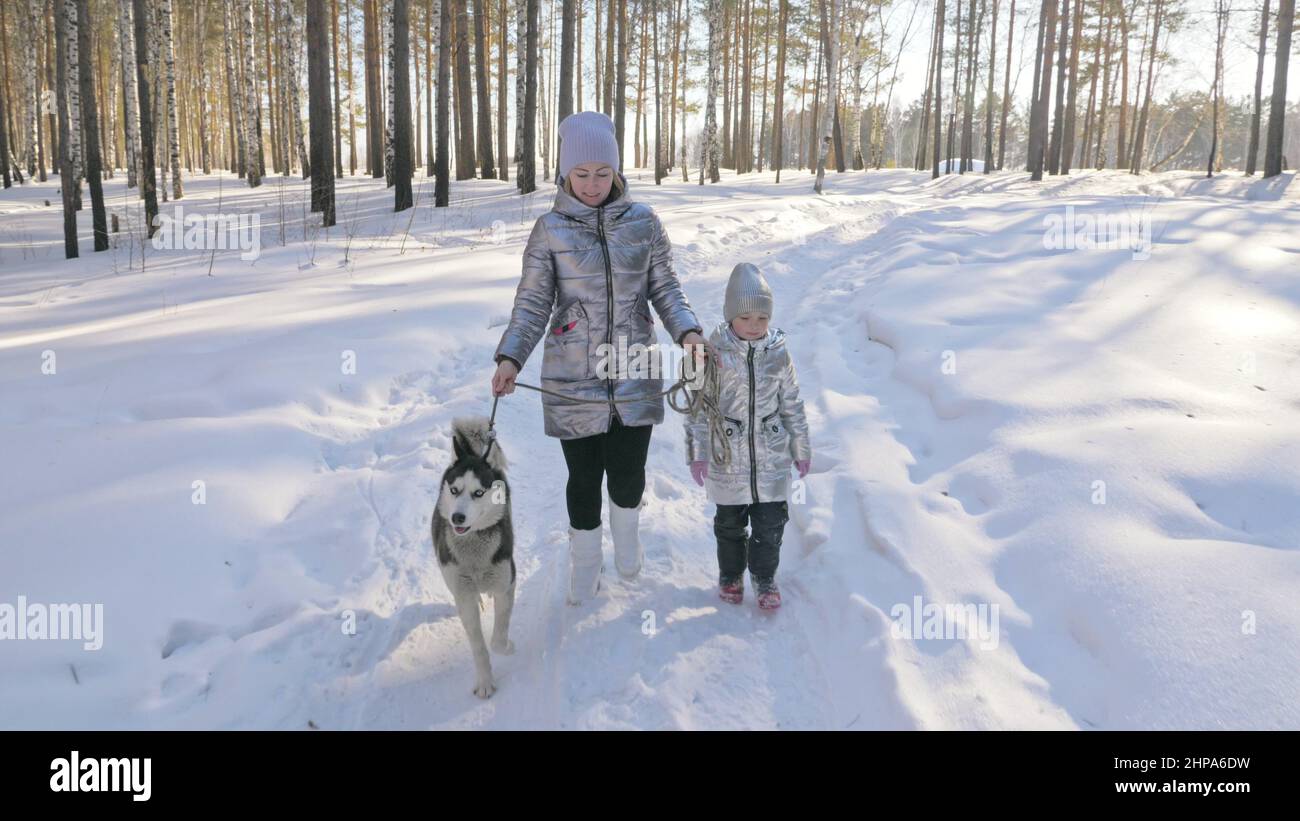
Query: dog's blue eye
(454,491)
(478,493)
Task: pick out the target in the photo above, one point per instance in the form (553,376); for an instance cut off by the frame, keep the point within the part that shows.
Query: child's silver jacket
(589,278)
(763,420)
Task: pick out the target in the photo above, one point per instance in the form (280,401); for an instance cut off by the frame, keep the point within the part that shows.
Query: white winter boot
(586,562)
(623,525)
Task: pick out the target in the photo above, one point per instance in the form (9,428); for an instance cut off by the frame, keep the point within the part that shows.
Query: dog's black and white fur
(474,541)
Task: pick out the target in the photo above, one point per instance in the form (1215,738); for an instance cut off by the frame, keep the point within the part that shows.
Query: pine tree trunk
(1046,51)
(778,104)
(528,146)
(660,170)
(374,94)
(709,143)
(728,26)
(484,108)
(1107,90)
(521,87)
(938,85)
(320,118)
(352,117)
(545,84)
(972,57)
(1062,66)
(1220,31)
(620,81)
(1121,135)
(1277,107)
(400,38)
(5,162)
(564,105)
(762,119)
(337,110)
(1252,148)
(503,46)
(465,160)
(686,45)
(441,158)
(1068,125)
(1140,140)
(64,38)
(90,122)
(988,93)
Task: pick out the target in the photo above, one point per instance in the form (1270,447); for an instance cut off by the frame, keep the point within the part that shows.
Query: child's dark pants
(760,550)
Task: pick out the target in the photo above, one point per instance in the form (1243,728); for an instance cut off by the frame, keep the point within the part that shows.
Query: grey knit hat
(587,136)
(746,291)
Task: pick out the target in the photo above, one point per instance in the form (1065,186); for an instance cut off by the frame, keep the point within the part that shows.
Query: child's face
(750,326)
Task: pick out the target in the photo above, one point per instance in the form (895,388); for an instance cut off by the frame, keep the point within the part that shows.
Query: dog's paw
(503,647)
(485,689)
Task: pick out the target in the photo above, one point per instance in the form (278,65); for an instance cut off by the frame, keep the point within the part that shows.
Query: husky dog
(474,540)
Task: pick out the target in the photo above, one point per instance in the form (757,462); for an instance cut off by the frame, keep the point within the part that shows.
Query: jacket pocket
(777,439)
(733,433)
(568,341)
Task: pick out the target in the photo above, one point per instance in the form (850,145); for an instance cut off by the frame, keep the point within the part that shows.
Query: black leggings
(620,453)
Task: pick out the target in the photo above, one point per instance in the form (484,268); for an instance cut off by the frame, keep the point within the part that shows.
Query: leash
(680,398)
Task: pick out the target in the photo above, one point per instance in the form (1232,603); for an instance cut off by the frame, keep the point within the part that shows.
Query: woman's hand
(503,381)
(802,466)
(694,343)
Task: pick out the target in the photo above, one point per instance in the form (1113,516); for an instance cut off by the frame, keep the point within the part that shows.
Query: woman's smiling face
(591,182)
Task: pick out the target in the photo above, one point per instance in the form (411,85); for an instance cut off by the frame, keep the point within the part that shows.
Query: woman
(593,266)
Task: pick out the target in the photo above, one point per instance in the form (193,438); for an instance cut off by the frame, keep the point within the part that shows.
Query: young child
(742,440)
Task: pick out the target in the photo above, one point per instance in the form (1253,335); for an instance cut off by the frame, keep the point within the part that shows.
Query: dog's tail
(469,437)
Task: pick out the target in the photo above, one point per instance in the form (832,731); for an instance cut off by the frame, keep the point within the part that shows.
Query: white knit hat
(587,136)
(747,292)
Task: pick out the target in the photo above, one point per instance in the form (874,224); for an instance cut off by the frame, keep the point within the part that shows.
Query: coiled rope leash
(702,400)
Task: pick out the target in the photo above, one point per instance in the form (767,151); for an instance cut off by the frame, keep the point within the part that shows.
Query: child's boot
(732,591)
(769,595)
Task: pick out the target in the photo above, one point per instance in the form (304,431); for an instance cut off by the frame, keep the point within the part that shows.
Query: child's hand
(802,466)
(699,472)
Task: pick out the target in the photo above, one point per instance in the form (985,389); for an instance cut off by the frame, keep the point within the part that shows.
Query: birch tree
(709,144)
(830,13)
(294,121)
(126,47)
(169,69)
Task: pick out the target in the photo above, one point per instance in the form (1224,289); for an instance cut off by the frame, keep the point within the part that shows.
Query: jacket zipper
(753,464)
(609,305)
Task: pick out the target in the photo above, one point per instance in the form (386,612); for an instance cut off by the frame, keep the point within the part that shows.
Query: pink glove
(802,466)
(699,472)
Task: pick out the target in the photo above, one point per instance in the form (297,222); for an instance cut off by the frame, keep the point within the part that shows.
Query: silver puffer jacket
(763,420)
(590,276)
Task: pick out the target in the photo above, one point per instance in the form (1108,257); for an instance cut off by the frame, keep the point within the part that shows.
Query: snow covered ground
(1095,449)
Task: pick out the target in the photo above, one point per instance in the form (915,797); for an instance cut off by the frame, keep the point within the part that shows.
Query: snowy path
(972,486)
